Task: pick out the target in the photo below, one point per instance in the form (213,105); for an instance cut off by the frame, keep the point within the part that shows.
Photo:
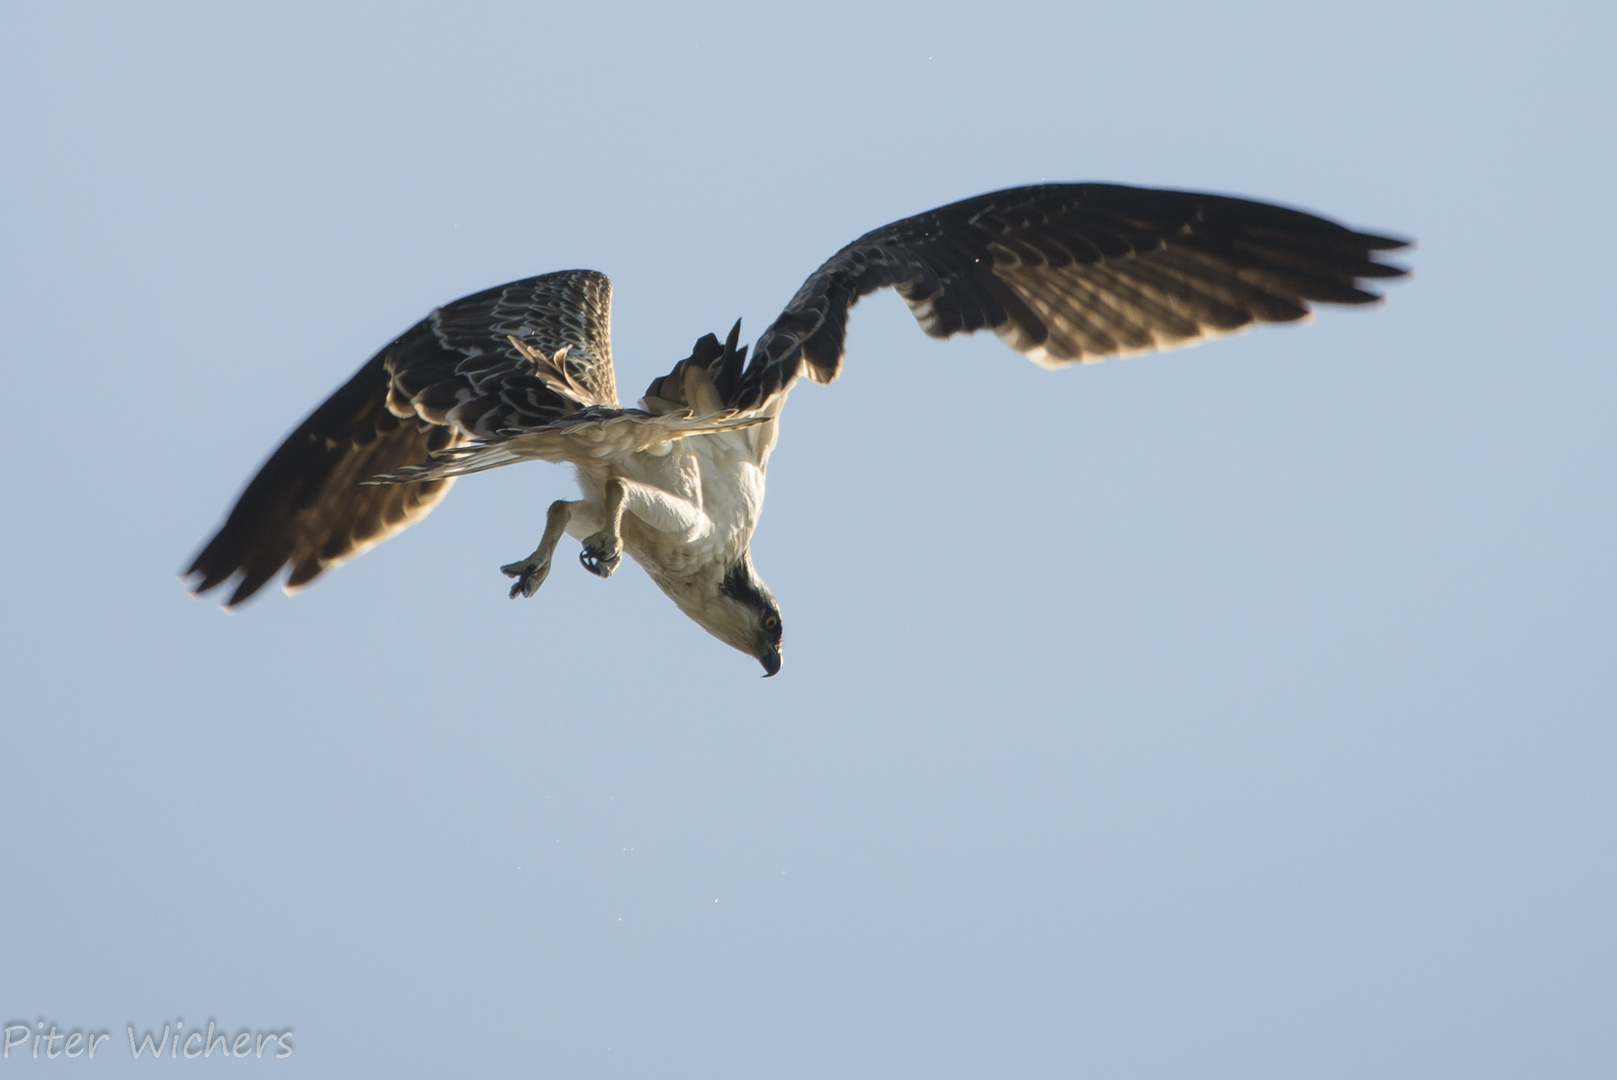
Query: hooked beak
(770,660)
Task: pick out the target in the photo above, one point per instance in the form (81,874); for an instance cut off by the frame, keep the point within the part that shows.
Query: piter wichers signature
(175,1040)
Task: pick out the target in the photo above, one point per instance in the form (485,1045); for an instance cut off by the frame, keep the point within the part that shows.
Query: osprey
(1062,273)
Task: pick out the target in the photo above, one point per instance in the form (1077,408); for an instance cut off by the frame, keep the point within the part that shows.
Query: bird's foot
(530,574)
(601,554)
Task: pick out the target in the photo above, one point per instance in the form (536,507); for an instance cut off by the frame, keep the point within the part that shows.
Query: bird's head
(737,608)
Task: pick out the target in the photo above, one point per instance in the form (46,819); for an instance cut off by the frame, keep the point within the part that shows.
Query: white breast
(696,506)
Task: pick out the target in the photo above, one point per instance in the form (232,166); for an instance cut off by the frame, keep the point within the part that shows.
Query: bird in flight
(1062,273)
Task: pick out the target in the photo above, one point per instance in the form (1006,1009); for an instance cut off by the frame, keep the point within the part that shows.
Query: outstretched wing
(454,376)
(1067,273)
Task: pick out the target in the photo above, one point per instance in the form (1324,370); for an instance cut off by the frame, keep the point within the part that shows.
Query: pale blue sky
(1241,712)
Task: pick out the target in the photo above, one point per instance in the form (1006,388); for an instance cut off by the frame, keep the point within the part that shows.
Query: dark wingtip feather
(211,567)
(209,580)
(1381,270)
(251,582)
(304,572)
(1382,243)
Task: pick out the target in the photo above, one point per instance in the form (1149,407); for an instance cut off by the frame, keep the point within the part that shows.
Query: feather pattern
(508,359)
(500,362)
(304,508)
(1070,273)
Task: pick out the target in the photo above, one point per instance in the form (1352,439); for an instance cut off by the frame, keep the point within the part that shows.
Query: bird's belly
(693,507)
(666,556)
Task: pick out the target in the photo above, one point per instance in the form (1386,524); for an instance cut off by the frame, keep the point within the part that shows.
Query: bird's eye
(771,622)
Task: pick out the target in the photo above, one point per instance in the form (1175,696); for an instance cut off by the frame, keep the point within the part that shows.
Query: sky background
(1241,712)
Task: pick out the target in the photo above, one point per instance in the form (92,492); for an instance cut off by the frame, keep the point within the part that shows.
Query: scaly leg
(604,550)
(532,571)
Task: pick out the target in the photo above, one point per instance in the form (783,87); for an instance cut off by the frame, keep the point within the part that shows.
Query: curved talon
(599,562)
(529,575)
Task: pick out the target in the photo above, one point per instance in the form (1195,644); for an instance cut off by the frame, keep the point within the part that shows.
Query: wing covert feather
(460,366)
